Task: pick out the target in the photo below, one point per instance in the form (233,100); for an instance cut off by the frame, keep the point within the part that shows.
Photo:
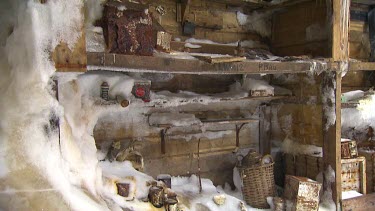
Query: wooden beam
(225,59)
(366,66)
(132,63)
(361,203)
(332,107)
(332,133)
(340,33)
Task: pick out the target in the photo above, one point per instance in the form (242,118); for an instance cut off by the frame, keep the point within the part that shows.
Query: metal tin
(123,189)
(166,178)
(104,91)
(156,196)
(141,89)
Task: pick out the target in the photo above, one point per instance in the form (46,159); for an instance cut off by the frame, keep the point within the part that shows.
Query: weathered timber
(361,203)
(132,63)
(354,174)
(367,66)
(215,60)
(332,134)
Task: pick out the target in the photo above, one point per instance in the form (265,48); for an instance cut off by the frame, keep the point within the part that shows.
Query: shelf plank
(227,121)
(133,63)
(365,66)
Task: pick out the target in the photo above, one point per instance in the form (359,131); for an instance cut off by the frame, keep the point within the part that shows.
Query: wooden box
(353,174)
(127,29)
(349,149)
(163,41)
(370,164)
(302,192)
(303,165)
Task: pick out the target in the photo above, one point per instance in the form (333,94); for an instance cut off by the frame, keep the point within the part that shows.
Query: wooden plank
(71,60)
(224,59)
(205,48)
(361,203)
(132,63)
(332,135)
(227,121)
(340,33)
(366,66)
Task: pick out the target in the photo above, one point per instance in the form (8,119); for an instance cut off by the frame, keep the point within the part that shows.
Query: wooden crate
(353,176)
(370,164)
(353,170)
(303,165)
(302,192)
(349,149)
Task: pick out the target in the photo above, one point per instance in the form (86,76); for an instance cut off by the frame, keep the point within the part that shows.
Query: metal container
(171,204)
(104,91)
(166,178)
(156,196)
(128,31)
(141,89)
(123,189)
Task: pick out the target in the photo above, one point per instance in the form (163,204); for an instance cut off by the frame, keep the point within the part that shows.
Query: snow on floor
(188,190)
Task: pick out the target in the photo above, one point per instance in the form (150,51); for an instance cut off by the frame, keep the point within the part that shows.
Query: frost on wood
(326,199)
(329,100)
(174,119)
(291,147)
(256,22)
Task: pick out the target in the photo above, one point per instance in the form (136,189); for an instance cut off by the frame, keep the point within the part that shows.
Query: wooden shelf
(366,66)
(227,121)
(133,63)
(214,122)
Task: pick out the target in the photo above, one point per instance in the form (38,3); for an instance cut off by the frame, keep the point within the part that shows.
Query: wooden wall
(301,30)
(214,21)
(301,119)
(217,159)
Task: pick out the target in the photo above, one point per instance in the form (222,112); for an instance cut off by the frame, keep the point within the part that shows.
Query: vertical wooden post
(332,133)
(332,83)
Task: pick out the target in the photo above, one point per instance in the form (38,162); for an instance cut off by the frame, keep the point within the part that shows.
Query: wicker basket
(258,183)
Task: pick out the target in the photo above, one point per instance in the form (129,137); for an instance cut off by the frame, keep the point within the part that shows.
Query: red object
(140,92)
(141,89)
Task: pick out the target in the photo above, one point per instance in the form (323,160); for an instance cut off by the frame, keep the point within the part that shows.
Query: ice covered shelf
(189,65)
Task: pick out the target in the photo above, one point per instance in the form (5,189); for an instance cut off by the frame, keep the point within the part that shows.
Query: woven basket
(258,183)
